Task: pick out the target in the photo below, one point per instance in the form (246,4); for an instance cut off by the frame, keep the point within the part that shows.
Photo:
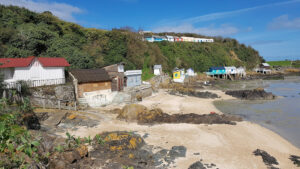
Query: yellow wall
(176,75)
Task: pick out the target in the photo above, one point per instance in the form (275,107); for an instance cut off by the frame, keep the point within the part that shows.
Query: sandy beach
(226,146)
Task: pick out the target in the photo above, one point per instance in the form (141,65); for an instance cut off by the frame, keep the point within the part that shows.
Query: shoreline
(227,146)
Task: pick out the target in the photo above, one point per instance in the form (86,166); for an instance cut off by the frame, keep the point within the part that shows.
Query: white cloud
(61,10)
(283,22)
(219,15)
(223,30)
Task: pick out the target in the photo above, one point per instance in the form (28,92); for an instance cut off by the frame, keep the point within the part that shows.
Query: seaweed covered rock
(256,94)
(267,158)
(143,115)
(295,159)
(130,112)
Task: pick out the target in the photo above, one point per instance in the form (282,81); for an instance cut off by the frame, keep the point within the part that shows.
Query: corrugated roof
(53,62)
(25,62)
(15,62)
(265,64)
(157,66)
(90,75)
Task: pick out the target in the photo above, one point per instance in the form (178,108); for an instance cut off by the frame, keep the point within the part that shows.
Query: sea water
(281,115)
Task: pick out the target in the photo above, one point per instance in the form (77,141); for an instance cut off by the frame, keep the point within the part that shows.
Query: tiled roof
(25,62)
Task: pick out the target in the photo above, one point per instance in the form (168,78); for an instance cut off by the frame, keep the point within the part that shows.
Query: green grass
(294,64)
(280,63)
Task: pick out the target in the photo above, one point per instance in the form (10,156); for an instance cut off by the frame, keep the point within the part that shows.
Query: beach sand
(227,146)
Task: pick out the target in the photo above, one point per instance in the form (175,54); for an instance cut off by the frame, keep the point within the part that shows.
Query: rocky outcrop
(256,94)
(142,115)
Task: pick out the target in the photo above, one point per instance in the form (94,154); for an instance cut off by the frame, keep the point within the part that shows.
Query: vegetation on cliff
(24,33)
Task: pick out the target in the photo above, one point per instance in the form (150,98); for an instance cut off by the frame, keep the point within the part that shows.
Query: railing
(35,83)
(55,103)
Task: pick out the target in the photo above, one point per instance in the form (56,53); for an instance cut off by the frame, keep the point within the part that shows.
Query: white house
(157,70)
(35,71)
(170,38)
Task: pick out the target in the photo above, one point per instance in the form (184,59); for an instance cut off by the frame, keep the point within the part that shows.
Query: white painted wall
(157,72)
(230,70)
(99,98)
(37,73)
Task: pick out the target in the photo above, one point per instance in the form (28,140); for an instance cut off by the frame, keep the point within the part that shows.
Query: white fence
(35,83)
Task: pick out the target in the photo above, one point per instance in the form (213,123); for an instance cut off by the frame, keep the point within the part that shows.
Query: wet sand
(227,146)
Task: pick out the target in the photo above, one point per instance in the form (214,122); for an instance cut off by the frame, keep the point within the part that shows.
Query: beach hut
(157,70)
(116,72)
(188,39)
(190,72)
(241,71)
(170,38)
(133,78)
(178,39)
(230,70)
(178,75)
(217,70)
(35,71)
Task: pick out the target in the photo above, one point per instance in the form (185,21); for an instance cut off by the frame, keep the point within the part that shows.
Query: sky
(270,26)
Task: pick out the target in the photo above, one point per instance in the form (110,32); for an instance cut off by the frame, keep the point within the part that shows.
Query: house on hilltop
(36,71)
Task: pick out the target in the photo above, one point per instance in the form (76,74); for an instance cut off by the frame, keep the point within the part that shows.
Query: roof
(15,62)
(265,64)
(157,67)
(90,75)
(53,62)
(25,62)
(133,72)
(217,68)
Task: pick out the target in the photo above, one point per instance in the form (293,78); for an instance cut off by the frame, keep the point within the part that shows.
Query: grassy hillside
(285,63)
(24,33)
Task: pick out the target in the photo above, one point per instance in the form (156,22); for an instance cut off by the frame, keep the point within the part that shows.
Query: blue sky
(270,26)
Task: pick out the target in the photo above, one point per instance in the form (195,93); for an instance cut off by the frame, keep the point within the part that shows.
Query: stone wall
(48,96)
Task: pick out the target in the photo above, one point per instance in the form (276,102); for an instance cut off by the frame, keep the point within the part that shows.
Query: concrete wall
(93,86)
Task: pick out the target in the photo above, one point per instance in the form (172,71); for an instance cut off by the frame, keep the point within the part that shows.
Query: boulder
(130,112)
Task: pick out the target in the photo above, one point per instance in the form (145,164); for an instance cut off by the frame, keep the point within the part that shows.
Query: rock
(295,159)
(42,116)
(197,165)
(82,150)
(130,112)
(256,94)
(177,151)
(31,121)
(267,158)
(142,115)
(71,156)
(57,164)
